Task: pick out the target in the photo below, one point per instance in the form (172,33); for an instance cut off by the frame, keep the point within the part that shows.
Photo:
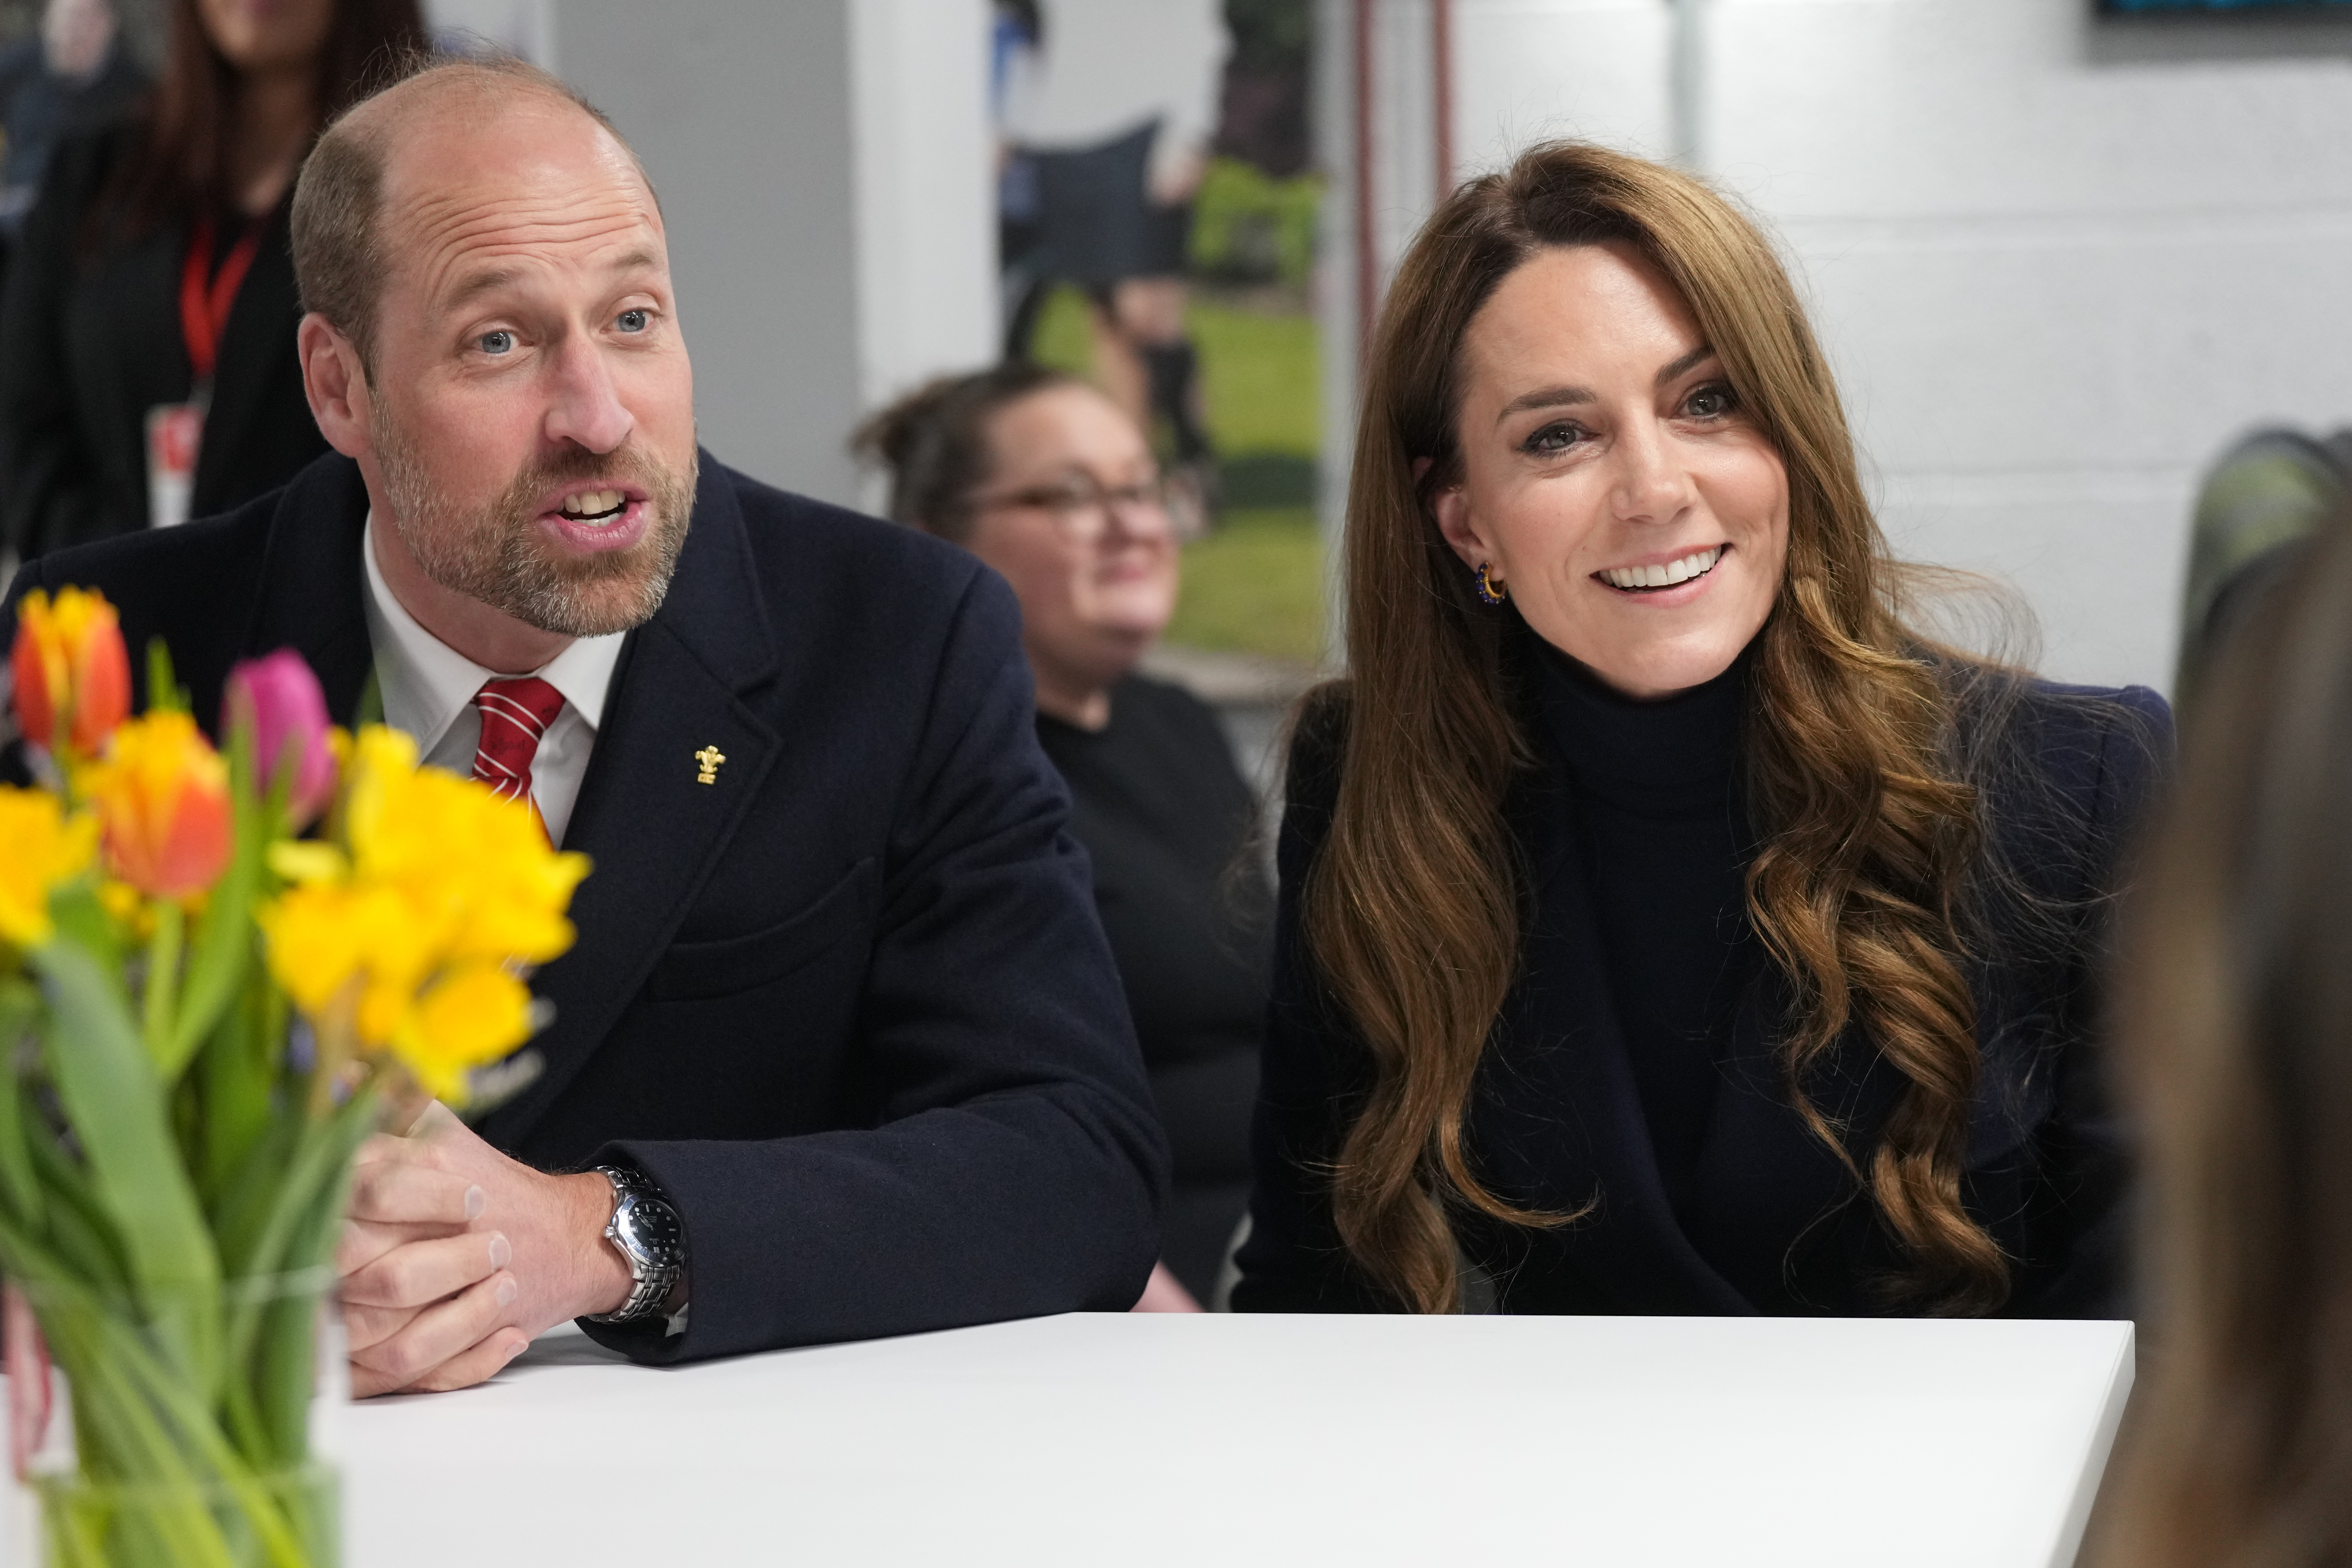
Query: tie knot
(515,716)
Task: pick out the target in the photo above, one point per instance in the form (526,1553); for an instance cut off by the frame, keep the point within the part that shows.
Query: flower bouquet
(202,1014)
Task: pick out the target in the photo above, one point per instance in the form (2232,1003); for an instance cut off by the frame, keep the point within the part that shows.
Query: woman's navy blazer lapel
(1558,1121)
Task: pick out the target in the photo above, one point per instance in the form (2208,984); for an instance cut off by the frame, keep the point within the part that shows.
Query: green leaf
(18,1004)
(82,921)
(79,1230)
(237,1073)
(115,1105)
(242,1210)
(223,951)
(316,1174)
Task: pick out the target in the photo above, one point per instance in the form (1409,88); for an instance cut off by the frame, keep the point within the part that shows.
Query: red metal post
(1441,66)
(1368,265)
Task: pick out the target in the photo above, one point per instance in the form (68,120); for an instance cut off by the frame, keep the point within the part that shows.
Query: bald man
(840,1050)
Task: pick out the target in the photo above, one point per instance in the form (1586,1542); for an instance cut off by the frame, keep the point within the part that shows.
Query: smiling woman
(1666,926)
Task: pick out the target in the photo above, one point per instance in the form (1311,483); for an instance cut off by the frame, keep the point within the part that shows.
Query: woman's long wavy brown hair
(1412,908)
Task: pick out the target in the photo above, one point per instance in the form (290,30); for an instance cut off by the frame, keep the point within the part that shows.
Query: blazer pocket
(737,964)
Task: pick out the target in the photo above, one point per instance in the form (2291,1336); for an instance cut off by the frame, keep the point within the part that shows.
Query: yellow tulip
(72,672)
(40,847)
(163,794)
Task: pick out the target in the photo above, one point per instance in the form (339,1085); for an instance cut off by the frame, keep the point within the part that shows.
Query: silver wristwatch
(651,1241)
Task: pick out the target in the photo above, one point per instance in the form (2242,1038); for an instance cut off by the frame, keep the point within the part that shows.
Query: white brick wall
(2058,266)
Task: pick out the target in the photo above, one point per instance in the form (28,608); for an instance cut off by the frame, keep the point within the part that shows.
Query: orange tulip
(73,674)
(161,794)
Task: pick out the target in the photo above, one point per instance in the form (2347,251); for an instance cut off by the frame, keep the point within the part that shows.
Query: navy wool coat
(1776,1225)
(850,1005)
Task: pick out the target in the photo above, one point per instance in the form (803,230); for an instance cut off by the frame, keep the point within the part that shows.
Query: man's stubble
(497,555)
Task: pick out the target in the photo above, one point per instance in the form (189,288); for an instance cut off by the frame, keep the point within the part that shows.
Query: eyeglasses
(1082,508)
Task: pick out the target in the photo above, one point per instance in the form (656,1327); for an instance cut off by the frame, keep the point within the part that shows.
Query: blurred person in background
(73,75)
(2256,506)
(1113,104)
(147,361)
(1667,926)
(1051,483)
(2235,1042)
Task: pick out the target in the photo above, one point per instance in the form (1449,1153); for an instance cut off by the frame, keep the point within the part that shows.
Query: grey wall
(741,110)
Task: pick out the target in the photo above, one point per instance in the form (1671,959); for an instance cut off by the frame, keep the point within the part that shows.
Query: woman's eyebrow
(1568,396)
(1689,362)
(1547,397)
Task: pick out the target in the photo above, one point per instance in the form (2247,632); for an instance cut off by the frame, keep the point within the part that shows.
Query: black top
(1168,821)
(1589,1090)
(847,1005)
(1665,846)
(90,340)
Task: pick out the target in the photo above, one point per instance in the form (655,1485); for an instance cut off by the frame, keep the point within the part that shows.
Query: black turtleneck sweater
(1665,846)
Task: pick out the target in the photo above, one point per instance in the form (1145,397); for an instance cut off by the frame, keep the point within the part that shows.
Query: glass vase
(192,1427)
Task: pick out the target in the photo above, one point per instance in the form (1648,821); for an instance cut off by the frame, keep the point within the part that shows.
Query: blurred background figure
(1108,107)
(2256,506)
(2236,1042)
(147,363)
(1052,484)
(72,75)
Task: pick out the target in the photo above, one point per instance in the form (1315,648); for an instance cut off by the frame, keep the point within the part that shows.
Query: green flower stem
(164,977)
(224,948)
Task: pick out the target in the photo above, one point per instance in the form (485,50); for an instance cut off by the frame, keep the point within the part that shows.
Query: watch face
(649,1228)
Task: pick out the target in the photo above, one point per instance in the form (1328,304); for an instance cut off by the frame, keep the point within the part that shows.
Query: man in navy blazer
(839,1006)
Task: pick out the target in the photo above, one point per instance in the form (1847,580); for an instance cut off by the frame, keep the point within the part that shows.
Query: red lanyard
(204,310)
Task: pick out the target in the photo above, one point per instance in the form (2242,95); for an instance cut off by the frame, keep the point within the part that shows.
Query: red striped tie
(515,717)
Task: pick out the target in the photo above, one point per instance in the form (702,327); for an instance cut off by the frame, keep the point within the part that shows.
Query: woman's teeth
(593,505)
(1697,565)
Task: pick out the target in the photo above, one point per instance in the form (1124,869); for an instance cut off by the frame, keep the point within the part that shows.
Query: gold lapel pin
(710,757)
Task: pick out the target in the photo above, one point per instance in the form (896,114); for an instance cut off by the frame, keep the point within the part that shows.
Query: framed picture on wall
(2219,7)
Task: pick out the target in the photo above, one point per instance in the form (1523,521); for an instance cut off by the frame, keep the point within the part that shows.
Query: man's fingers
(425,1271)
(476,1365)
(402,1192)
(365,1241)
(367,1326)
(436,1335)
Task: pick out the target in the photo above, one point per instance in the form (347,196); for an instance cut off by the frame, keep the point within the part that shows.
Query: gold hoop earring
(1490,591)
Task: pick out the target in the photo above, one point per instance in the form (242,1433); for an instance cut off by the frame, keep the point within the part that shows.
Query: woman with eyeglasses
(1049,481)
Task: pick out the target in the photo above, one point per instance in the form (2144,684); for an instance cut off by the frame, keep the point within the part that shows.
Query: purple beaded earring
(1489,591)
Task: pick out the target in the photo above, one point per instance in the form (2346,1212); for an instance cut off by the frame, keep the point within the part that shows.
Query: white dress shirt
(428,691)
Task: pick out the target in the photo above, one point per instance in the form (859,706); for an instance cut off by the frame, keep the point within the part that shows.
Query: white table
(1198,1441)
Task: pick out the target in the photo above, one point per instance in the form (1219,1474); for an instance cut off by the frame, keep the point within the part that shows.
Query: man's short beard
(497,553)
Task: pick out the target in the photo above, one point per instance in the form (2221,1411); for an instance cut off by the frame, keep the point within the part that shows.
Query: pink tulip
(280,697)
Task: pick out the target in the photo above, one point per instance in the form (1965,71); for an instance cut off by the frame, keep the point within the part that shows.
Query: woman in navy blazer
(1666,925)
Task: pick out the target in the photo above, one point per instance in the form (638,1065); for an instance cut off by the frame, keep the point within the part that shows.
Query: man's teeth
(592,503)
(1695,564)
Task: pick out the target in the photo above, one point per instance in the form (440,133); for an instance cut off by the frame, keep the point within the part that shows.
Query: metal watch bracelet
(645,1229)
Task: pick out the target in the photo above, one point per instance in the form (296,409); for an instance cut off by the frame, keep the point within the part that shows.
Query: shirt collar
(426,684)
